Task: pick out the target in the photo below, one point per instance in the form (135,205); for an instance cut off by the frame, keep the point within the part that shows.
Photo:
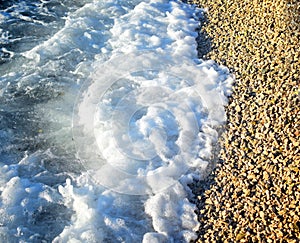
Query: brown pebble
(258,182)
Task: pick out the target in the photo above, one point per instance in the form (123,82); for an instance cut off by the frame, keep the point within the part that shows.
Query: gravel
(253,194)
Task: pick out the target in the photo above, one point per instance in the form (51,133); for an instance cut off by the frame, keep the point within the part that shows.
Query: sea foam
(122,82)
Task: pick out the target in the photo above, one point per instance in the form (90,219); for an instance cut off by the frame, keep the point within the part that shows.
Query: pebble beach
(253,194)
(109,121)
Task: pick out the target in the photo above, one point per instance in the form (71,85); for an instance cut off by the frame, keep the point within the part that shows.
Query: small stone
(258,180)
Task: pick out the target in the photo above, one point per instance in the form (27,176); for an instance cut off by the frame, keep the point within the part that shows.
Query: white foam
(143,125)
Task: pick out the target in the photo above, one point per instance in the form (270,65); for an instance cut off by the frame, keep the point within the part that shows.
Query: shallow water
(106,116)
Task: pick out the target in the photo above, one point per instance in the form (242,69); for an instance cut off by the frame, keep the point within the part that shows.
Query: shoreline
(253,194)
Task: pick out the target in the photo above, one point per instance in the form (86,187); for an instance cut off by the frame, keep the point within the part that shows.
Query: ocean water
(106,116)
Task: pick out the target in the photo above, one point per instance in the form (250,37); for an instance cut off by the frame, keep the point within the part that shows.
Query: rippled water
(106,115)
